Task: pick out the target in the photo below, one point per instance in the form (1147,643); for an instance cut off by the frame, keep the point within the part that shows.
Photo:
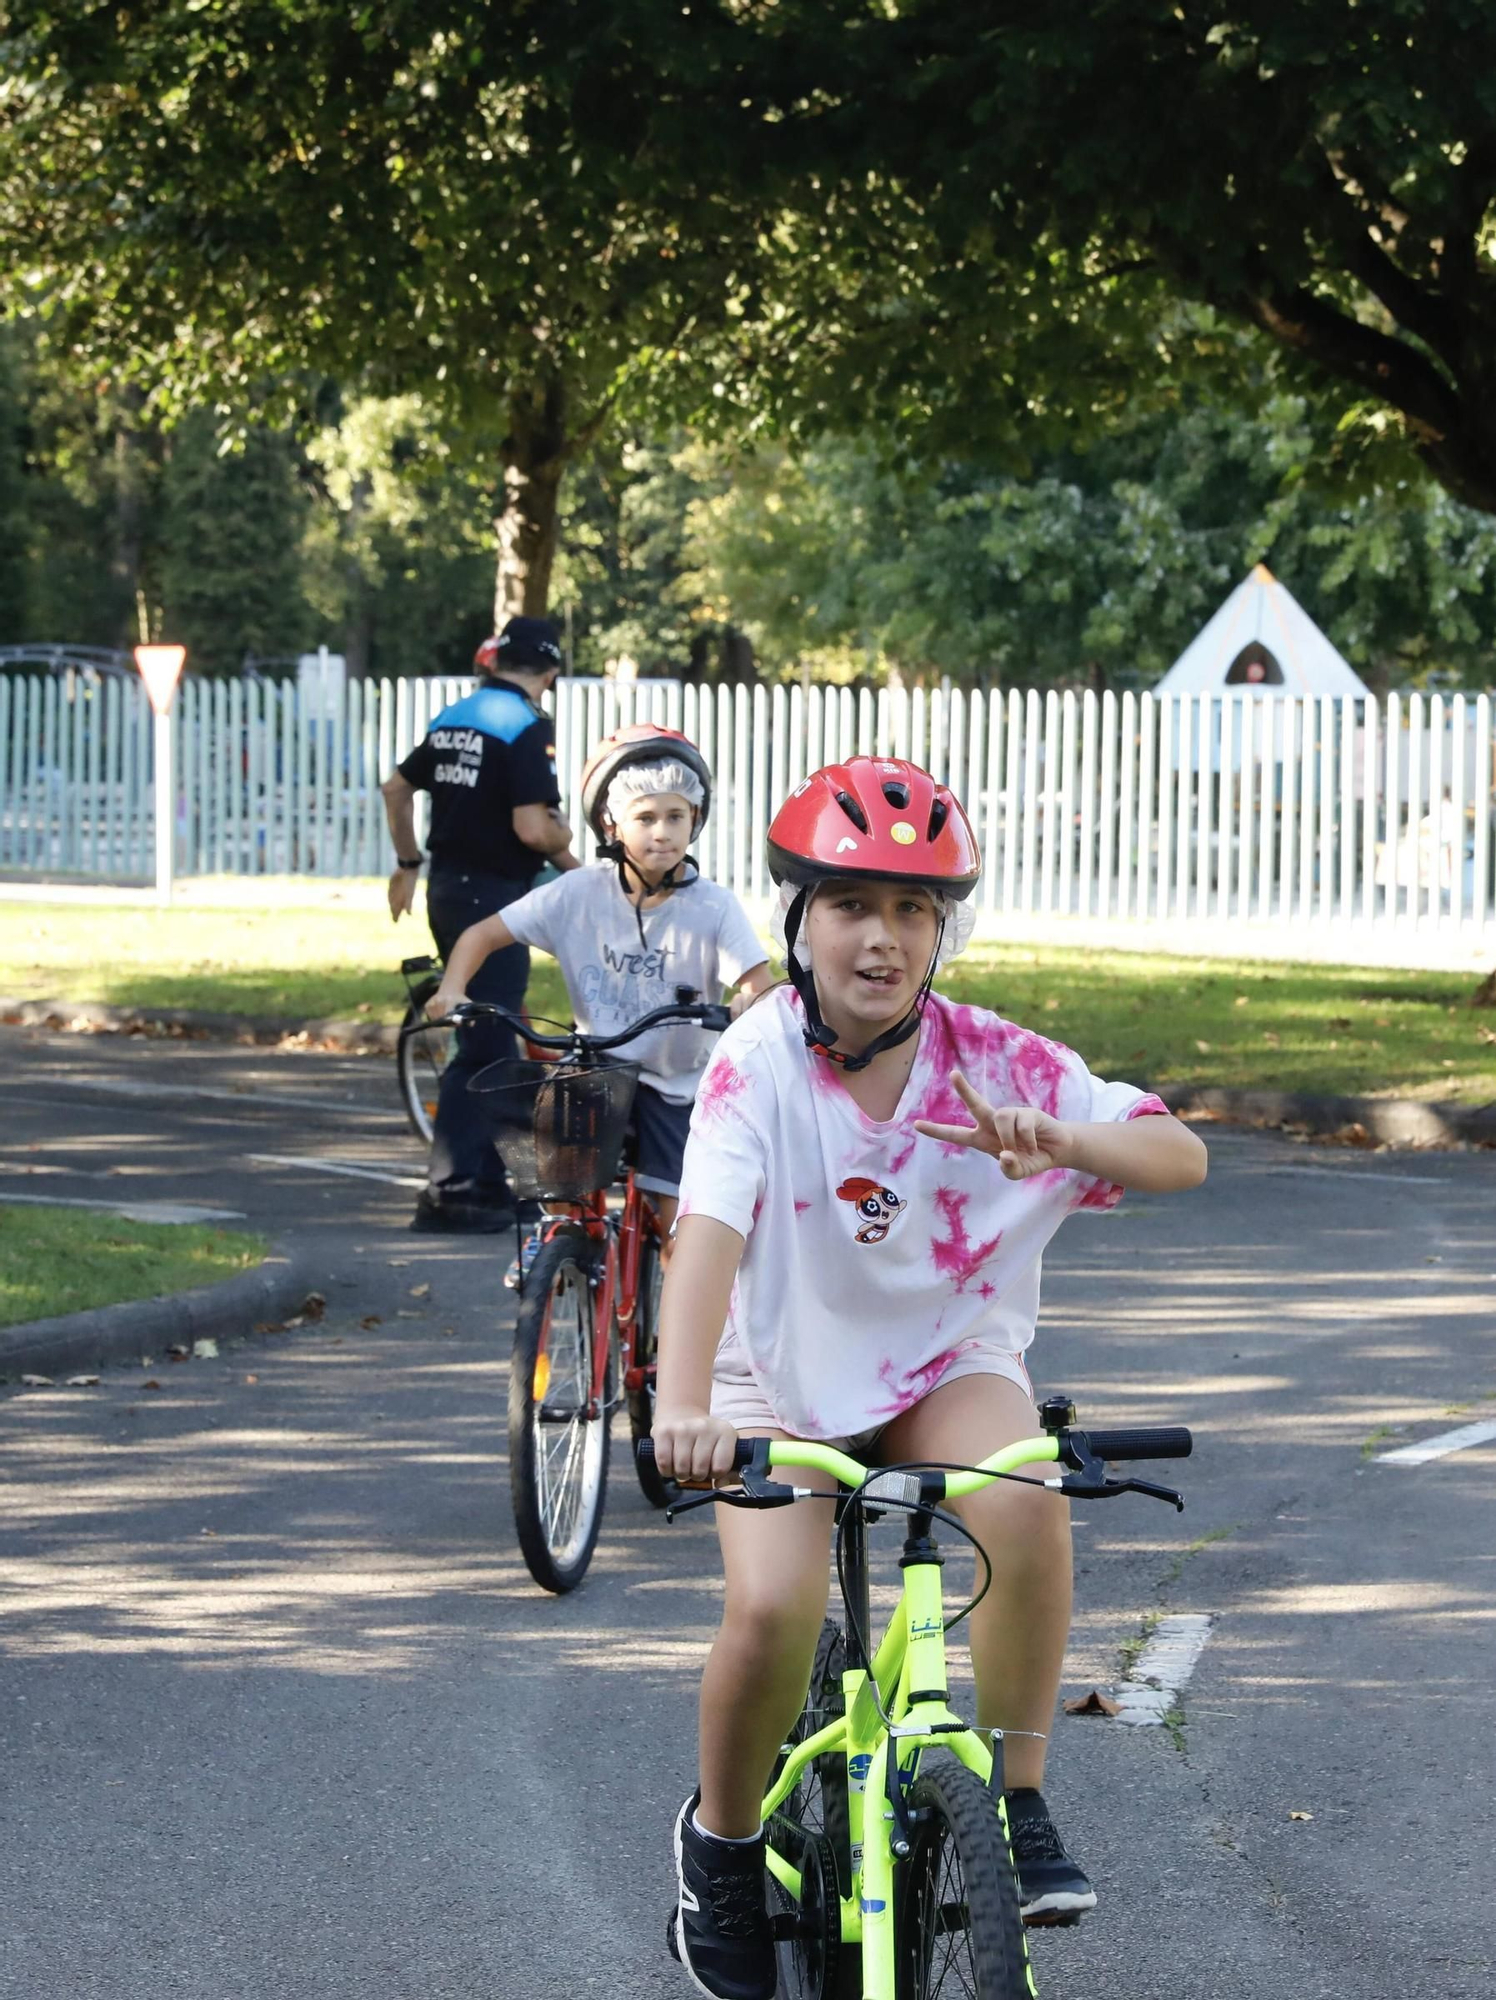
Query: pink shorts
(737,1396)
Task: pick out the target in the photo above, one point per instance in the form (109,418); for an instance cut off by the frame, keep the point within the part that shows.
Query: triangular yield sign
(160,669)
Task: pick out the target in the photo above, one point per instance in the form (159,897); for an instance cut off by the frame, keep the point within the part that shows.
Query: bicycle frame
(908,1673)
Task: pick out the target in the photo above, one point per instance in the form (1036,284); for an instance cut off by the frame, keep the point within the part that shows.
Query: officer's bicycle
(424,1048)
(887,1828)
(585,1332)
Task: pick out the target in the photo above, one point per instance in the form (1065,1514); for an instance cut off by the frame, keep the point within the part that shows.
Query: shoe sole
(1051,1912)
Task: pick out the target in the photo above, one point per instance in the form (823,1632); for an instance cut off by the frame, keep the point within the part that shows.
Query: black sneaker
(721,1932)
(447,1215)
(1051,1888)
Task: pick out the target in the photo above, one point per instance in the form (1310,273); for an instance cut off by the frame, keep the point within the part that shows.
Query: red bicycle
(586,1330)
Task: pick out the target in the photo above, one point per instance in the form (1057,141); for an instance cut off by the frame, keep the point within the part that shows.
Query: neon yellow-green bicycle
(887,1830)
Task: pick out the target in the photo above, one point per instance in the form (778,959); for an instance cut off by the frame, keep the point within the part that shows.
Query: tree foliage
(454,199)
(1028,185)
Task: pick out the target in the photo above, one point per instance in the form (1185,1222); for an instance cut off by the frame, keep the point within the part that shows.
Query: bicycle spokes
(569,1438)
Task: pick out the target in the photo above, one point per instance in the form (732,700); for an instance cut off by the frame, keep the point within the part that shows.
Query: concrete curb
(352,1037)
(1397,1121)
(149,1326)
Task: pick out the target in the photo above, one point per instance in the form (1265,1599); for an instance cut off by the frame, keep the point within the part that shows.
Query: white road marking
(1440,1446)
(1367,1174)
(336,1167)
(119,1086)
(1162,1668)
(134,1211)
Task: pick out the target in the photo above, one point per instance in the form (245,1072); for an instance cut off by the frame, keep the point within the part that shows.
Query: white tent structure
(1262,641)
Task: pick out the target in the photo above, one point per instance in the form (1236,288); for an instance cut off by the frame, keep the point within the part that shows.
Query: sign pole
(160,669)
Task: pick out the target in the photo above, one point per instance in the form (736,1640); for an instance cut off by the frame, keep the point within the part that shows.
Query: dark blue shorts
(659,1127)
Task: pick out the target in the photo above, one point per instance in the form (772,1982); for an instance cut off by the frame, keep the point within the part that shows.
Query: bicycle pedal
(788,1925)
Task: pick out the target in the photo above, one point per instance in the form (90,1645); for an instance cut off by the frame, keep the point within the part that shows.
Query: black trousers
(464,1164)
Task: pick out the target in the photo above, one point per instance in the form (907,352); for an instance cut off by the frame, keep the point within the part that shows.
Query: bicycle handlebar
(1071,1446)
(707,1013)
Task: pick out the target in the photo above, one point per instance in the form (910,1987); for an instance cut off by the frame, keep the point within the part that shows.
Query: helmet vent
(853,810)
(897,794)
(940,812)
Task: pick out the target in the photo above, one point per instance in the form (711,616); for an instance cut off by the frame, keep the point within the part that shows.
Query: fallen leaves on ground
(37,1382)
(83,1381)
(313,1306)
(1298,1813)
(420,1291)
(370,1320)
(1094,1703)
(205,1350)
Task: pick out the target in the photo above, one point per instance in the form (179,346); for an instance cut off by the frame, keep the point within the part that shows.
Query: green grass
(1143,1016)
(64,1260)
(329,960)
(1245,1024)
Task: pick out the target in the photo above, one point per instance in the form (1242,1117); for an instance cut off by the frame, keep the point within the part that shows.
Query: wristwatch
(414,862)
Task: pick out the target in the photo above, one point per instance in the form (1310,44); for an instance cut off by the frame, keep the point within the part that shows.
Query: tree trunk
(1485,994)
(535,455)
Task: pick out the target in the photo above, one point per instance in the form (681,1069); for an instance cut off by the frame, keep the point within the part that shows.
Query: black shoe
(721,1932)
(1051,1888)
(460,1218)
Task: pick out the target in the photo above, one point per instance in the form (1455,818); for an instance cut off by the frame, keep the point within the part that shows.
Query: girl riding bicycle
(638,929)
(871,1178)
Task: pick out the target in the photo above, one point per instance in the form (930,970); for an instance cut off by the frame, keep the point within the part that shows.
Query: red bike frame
(617,1296)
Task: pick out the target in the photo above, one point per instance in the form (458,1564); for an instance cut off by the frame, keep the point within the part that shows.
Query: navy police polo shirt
(482,757)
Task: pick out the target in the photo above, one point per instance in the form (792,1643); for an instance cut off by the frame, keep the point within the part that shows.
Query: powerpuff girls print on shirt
(877,1260)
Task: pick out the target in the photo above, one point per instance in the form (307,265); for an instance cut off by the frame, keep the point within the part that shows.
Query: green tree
(230,570)
(1026,186)
(479,204)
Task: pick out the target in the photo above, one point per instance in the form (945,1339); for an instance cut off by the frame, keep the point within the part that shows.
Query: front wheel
(420,1057)
(558,1442)
(958,1925)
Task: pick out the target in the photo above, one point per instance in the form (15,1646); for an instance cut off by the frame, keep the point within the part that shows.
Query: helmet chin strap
(818,1036)
(673,878)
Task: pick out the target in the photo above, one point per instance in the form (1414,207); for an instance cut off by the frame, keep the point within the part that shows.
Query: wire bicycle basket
(559,1130)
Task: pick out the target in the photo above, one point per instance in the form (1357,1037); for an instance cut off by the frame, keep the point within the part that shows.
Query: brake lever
(1154,1492)
(1106,1489)
(753,1490)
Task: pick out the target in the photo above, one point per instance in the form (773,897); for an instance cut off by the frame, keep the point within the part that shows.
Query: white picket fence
(1211,809)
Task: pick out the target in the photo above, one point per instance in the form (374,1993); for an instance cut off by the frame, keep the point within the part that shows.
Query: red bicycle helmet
(877,817)
(639,743)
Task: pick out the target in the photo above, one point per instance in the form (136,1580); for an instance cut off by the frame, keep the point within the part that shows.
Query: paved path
(281,1714)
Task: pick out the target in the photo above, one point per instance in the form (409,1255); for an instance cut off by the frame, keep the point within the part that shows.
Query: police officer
(489,763)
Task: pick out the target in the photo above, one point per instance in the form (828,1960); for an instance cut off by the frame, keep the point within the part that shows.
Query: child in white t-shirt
(634,931)
(871,1179)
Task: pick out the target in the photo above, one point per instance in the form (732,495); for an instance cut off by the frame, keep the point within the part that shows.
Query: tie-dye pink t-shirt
(877,1259)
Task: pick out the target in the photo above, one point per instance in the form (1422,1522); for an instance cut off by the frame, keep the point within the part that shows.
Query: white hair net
(960,922)
(641,781)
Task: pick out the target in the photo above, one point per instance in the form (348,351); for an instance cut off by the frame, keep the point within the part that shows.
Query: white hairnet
(640,781)
(960,922)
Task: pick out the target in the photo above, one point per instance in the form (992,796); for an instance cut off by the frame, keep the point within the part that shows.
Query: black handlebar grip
(716,1017)
(742,1454)
(1169,1441)
(644,1453)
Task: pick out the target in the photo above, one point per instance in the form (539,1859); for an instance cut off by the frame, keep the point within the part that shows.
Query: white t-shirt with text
(875,1257)
(699,937)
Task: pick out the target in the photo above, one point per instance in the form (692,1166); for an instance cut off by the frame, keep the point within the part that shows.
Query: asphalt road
(281,1714)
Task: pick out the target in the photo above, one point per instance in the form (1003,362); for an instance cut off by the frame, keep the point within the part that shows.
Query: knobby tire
(958,1927)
